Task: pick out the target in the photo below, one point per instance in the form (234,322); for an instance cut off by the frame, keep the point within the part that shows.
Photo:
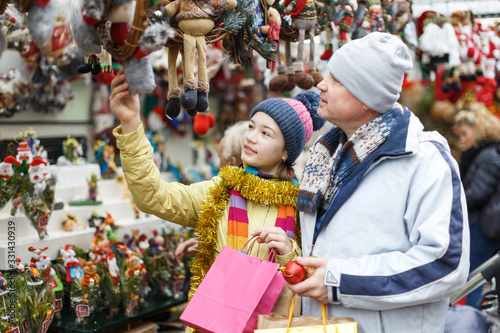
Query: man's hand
(127,108)
(314,285)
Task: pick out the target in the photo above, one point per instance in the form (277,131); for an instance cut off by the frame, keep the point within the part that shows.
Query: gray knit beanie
(372,69)
(296,117)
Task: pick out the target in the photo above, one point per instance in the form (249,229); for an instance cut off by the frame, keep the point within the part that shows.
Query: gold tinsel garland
(253,188)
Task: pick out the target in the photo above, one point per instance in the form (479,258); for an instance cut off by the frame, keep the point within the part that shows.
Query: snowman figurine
(36,173)
(6,170)
(24,153)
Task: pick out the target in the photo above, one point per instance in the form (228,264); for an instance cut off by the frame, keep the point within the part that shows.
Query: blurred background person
(478,138)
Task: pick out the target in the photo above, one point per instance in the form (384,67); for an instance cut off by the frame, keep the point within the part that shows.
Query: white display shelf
(80,238)
(72,185)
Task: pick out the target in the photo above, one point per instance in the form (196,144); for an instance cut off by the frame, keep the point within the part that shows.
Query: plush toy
(6,170)
(346,22)
(90,272)
(202,122)
(72,223)
(440,48)
(304,16)
(374,18)
(24,153)
(91,17)
(36,174)
(195,19)
(491,53)
(70,262)
(337,20)
(41,18)
(301,19)
(135,266)
(470,56)
(401,15)
(13,33)
(14,92)
(273,27)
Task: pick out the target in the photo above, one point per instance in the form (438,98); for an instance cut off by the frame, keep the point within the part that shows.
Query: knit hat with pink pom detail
(296,117)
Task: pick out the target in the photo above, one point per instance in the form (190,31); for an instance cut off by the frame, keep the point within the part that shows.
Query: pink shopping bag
(236,289)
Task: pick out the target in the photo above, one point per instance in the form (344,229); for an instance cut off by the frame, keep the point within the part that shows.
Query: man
(382,208)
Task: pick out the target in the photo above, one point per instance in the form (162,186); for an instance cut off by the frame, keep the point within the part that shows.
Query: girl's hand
(275,237)
(127,108)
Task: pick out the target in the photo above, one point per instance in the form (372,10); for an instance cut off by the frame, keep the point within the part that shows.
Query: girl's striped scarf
(238,218)
(333,158)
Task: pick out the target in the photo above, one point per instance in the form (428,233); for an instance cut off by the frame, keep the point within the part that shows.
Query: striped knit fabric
(286,220)
(237,233)
(333,159)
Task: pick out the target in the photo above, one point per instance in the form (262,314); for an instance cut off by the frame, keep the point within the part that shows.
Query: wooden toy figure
(195,18)
(304,16)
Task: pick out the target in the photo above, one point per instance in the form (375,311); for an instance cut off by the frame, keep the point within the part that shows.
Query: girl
(256,199)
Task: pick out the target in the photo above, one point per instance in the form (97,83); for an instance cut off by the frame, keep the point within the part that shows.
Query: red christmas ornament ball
(294,273)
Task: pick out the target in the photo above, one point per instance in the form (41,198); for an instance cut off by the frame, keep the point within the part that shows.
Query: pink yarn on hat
(304,115)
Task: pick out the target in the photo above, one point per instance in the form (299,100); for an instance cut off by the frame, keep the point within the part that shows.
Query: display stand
(71,185)
(102,323)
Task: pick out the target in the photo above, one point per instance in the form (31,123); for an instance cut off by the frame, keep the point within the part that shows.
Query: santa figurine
(491,52)
(24,153)
(36,172)
(6,170)
(70,262)
(114,271)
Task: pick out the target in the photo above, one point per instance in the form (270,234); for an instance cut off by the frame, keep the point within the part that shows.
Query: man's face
(339,106)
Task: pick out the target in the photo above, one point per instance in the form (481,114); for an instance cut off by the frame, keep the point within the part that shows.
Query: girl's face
(465,135)
(263,144)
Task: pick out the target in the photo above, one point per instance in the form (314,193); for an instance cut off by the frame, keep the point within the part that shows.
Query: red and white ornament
(36,173)
(24,153)
(6,170)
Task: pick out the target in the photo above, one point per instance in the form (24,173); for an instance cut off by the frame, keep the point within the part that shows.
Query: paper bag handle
(290,314)
(272,253)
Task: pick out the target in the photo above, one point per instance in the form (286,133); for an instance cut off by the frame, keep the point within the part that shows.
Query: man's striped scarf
(333,158)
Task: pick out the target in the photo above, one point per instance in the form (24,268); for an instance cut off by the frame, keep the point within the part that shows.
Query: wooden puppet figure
(195,18)
(304,16)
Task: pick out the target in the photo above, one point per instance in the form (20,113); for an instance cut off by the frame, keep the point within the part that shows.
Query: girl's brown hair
(285,171)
